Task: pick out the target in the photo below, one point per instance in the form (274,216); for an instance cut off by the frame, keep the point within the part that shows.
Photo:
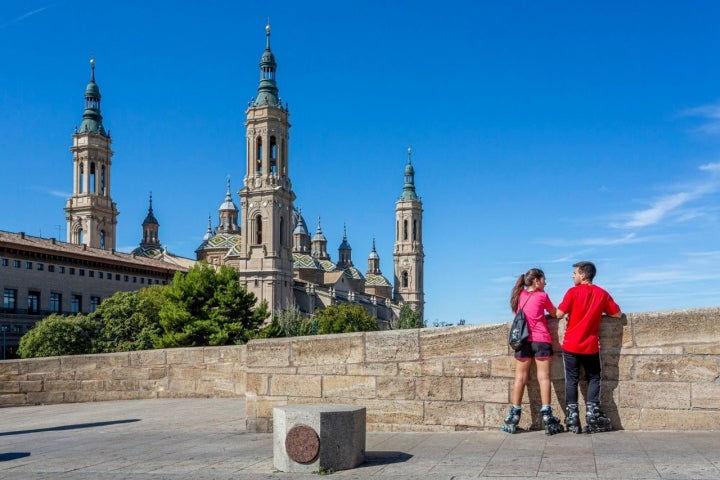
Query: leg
(572,373)
(543,375)
(522,371)
(595,419)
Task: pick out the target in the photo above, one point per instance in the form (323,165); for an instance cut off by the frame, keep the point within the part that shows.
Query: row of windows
(79,271)
(10,302)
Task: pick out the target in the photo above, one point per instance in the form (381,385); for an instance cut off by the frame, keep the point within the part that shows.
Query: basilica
(266,240)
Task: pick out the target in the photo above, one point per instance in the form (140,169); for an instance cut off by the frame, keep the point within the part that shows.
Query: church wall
(660,369)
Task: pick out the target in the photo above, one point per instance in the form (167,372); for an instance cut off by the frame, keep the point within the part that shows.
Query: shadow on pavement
(6,457)
(69,427)
(384,458)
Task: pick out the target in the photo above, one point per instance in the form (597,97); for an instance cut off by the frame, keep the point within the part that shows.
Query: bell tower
(408,254)
(265,263)
(90,212)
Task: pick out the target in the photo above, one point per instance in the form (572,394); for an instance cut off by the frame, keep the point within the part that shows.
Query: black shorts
(539,350)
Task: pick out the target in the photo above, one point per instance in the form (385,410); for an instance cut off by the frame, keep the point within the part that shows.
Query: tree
(408,318)
(59,335)
(344,318)
(289,323)
(208,307)
(129,320)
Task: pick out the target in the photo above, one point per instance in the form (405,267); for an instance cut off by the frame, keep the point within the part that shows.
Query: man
(585,304)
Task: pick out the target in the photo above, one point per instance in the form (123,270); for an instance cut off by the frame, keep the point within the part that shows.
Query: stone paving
(206,439)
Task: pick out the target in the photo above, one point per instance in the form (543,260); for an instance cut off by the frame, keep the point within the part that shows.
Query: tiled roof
(374,280)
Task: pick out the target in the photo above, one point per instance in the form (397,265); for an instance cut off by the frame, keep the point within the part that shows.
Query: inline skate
(512,420)
(596,420)
(550,422)
(572,419)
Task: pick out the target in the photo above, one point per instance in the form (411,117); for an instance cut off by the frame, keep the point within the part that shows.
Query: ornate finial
(267,34)
(92,67)
(409,154)
(344,231)
(228,184)
(151,200)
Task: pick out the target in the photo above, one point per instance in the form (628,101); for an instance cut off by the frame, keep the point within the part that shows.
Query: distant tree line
(203,307)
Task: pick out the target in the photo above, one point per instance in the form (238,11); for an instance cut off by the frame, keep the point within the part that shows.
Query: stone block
(398,388)
(429,368)
(439,388)
(705,395)
(655,395)
(296,385)
(466,367)
(502,366)
(311,437)
(8,386)
(273,352)
(676,327)
(654,419)
(193,356)
(392,345)
(395,412)
(147,357)
(486,390)
(377,369)
(347,348)
(78,362)
(459,415)
(45,398)
(39,365)
(31,386)
(13,400)
(336,386)
(463,341)
(676,369)
(333,369)
(112,360)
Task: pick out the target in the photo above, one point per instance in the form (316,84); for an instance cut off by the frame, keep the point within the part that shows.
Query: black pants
(591,364)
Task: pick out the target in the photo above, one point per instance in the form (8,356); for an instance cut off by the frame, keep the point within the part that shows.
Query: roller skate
(512,420)
(550,422)
(572,419)
(596,420)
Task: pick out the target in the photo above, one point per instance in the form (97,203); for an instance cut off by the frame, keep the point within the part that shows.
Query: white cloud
(594,242)
(710,167)
(710,114)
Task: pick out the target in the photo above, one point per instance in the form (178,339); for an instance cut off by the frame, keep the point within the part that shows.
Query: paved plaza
(206,439)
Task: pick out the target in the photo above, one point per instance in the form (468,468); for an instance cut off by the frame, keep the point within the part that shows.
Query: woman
(529,295)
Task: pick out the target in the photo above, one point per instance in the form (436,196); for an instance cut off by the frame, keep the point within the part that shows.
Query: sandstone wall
(661,371)
(181,372)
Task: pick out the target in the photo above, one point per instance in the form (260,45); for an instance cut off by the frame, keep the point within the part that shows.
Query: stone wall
(181,372)
(661,371)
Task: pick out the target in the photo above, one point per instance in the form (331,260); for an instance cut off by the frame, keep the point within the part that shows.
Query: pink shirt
(535,304)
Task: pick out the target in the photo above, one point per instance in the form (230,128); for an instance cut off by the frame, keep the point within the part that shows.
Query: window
(4,262)
(71,271)
(94,302)
(414,230)
(109,276)
(91,273)
(55,302)
(142,280)
(40,266)
(16,263)
(28,265)
(134,280)
(33,302)
(102,239)
(100,275)
(76,303)
(61,269)
(405,230)
(51,268)
(117,277)
(405,281)
(258,230)
(126,278)
(81,272)
(9,299)
(92,177)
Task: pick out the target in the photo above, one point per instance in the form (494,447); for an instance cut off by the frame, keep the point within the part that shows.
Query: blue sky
(543,133)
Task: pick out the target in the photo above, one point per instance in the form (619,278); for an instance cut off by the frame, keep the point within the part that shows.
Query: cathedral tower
(408,253)
(151,229)
(90,212)
(265,263)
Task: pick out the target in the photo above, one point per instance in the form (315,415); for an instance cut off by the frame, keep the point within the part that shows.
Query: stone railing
(661,371)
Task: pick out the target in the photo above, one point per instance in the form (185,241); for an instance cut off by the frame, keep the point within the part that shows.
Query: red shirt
(585,305)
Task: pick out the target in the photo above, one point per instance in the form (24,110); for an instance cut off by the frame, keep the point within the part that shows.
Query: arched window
(92,178)
(259,155)
(102,180)
(273,155)
(102,239)
(414,230)
(405,280)
(282,231)
(81,188)
(258,229)
(405,230)
(80,236)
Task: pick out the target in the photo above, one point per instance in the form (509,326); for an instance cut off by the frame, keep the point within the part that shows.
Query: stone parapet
(661,370)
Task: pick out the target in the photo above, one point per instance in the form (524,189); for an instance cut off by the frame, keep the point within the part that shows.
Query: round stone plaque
(302,444)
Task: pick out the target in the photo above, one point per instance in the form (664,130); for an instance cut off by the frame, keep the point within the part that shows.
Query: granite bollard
(314,437)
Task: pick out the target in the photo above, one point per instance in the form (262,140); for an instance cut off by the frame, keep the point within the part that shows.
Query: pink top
(535,304)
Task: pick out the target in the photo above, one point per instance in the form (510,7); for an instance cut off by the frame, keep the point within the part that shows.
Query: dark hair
(587,269)
(523,281)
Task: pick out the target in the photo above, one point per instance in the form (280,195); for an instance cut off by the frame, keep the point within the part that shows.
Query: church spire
(92,119)
(409,187)
(267,90)
(151,229)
